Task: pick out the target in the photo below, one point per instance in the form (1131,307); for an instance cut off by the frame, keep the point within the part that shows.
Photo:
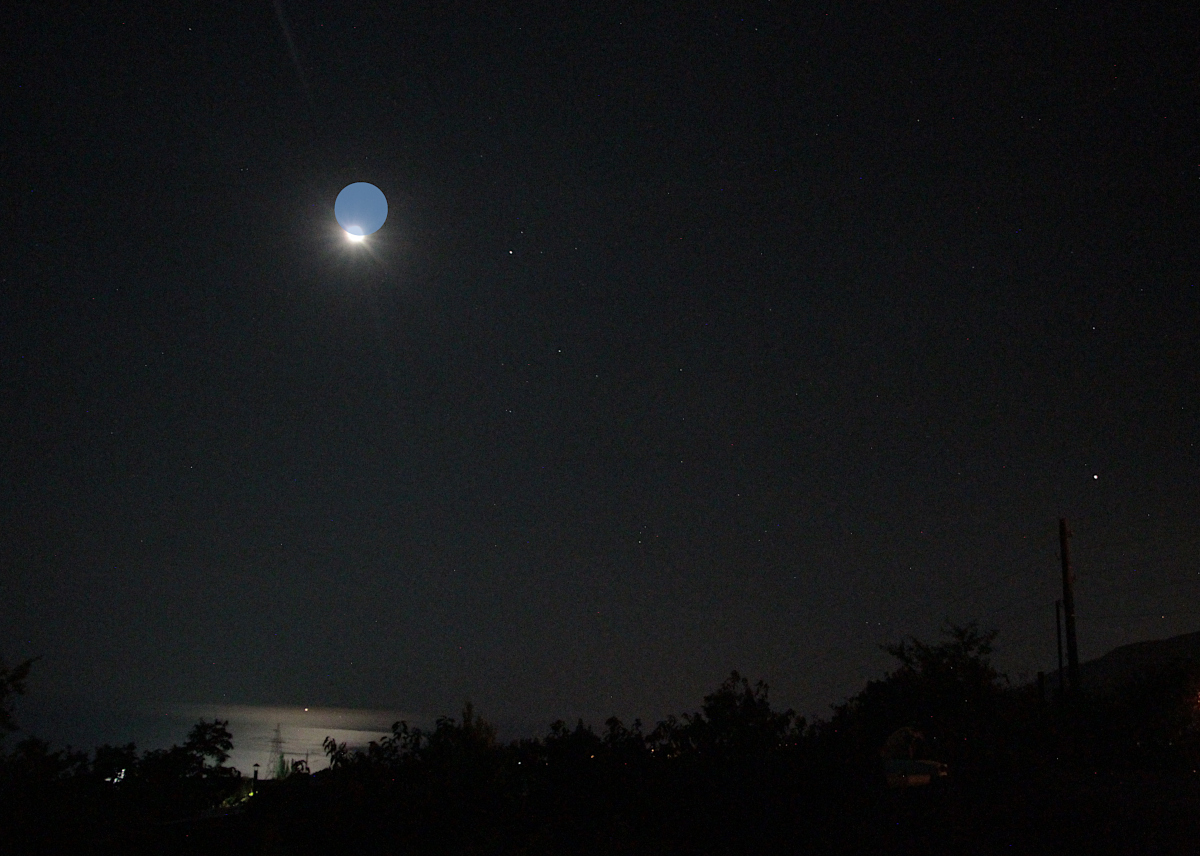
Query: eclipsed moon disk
(360,209)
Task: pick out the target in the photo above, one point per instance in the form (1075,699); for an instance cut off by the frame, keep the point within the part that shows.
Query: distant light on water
(303,730)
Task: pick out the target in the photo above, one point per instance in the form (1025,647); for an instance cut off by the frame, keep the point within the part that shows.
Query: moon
(360,209)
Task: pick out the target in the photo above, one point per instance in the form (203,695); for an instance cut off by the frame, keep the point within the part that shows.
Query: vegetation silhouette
(1112,773)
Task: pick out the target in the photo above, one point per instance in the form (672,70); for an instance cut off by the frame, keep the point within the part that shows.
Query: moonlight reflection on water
(302,730)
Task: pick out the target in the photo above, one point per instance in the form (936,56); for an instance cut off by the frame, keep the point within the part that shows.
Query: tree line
(1095,774)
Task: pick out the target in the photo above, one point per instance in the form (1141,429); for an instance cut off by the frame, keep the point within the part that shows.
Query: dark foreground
(1089,775)
(1053,814)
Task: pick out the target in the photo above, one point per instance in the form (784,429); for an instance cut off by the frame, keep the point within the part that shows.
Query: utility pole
(1062,687)
(1069,604)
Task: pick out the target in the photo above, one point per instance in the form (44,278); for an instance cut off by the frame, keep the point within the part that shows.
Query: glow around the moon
(360,209)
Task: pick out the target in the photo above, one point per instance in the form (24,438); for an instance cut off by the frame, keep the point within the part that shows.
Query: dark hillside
(1129,664)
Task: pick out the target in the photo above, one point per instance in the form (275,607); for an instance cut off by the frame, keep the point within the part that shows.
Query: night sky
(698,337)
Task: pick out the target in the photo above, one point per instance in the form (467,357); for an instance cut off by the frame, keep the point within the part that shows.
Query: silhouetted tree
(337,753)
(737,720)
(202,755)
(950,692)
(210,743)
(32,760)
